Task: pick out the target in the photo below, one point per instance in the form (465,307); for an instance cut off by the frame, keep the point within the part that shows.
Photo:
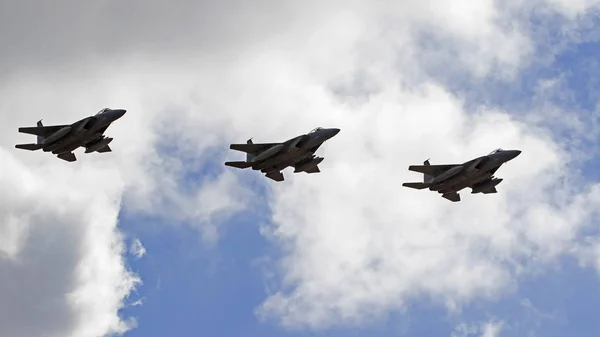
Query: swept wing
(314,169)
(490,190)
(104,149)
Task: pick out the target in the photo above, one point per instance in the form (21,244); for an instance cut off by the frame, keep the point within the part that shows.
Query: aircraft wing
(490,190)
(104,149)
(314,169)
(253,149)
(432,170)
(43,131)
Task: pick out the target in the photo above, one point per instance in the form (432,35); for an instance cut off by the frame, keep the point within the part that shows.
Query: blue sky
(193,288)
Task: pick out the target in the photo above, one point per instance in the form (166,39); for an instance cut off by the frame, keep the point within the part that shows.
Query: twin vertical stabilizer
(32,146)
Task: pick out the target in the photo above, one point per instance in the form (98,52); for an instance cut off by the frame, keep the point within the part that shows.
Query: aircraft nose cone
(334,131)
(514,154)
(118,113)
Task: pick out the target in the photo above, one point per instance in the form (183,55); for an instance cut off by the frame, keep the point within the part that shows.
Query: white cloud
(137,249)
(492,329)
(361,244)
(486,329)
(82,200)
(574,8)
(61,263)
(357,244)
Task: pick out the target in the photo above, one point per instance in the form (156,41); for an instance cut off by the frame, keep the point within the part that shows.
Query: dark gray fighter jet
(64,139)
(272,158)
(477,174)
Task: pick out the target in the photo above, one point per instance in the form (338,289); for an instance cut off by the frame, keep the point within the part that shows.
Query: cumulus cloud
(359,244)
(355,243)
(60,257)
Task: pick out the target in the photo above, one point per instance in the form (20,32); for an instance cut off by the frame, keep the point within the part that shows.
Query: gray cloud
(71,33)
(57,250)
(33,282)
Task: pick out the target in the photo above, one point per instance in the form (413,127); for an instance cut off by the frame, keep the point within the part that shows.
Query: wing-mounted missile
(447,174)
(486,185)
(98,145)
(57,135)
(309,164)
(268,152)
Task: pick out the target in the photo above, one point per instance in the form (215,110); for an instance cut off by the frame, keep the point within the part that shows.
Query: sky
(159,238)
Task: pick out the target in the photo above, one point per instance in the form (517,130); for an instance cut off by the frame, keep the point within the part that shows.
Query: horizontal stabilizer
(30,147)
(277,175)
(104,149)
(69,156)
(314,169)
(238,164)
(418,186)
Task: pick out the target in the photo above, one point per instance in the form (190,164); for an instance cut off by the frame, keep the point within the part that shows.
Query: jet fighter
(62,140)
(272,158)
(477,174)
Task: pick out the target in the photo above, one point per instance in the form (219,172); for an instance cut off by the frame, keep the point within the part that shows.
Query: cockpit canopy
(316,129)
(102,111)
(496,151)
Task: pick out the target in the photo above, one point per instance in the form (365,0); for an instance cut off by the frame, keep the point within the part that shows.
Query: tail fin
(426,177)
(40,139)
(243,164)
(249,157)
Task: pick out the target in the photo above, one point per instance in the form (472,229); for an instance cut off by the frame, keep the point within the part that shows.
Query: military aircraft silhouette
(272,158)
(62,140)
(478,174)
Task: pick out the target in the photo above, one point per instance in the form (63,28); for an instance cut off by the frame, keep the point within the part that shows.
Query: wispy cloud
(491,328)
(137,249)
